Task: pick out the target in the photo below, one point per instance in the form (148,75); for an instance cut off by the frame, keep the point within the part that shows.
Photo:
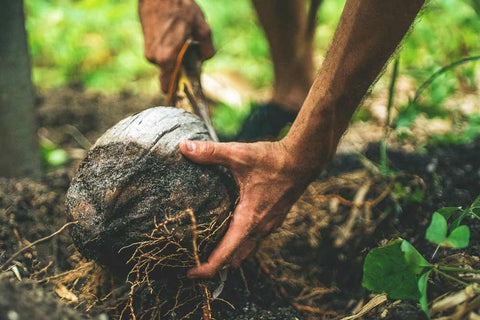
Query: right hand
(166,25)
(271,178)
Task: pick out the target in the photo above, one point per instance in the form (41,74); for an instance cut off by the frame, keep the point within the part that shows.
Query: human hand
(167,25)
(270,181)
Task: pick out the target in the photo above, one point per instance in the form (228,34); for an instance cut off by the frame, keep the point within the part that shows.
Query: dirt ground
(310,269)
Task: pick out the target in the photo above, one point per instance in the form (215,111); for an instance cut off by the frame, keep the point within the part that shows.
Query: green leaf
(414,259)
(56,157)
(447,212)
(475,212)
(458,238)
(387,270)
(476,203)
(459,219)
(437,230)
(422,288)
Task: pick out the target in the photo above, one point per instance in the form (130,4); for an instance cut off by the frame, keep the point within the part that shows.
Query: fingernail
(190,145)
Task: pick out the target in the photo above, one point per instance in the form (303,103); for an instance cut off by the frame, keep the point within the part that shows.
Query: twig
(36,242)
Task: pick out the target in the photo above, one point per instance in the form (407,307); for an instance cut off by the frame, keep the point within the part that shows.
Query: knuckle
(205,33)
(165,56)
(208,148)
(159,54)
(149,54)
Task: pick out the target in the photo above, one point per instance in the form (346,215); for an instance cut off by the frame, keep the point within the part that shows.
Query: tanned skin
(273,175)
(166,25)
(290,33)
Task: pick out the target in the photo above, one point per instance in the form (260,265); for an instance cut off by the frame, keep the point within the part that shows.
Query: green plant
(455,236)
(400,271)
(384,169)
(52,156)
(408,113)
(476,6)
(228,120)
(467,133)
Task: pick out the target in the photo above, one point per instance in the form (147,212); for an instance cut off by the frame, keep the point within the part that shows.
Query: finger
(165,77)
(236,234)
(262,231)
(243,252)
(203,34)
(273,226)
(206,152)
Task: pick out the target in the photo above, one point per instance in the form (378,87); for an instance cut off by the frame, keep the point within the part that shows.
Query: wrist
(297,162)
(313,138)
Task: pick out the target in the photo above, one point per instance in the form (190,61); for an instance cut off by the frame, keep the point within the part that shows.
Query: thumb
(206,152)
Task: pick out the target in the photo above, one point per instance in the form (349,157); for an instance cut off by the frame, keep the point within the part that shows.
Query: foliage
(97,44)
(52,156)
(468,131)
(400,271)
(393,269)
(458,235)
(437,233)
(227,120)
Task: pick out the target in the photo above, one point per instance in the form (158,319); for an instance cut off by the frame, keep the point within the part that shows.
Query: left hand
(270,181)
(166,25)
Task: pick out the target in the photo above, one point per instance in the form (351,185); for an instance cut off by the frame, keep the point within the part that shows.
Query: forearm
(368,33)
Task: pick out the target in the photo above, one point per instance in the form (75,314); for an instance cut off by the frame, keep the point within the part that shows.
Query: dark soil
(27,300)
(31,210)
(443,176)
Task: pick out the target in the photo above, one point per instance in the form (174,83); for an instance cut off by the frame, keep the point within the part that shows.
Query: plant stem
(473,214)
(435,252)
(438,73)
(446,275)
(455,269)
(383,144)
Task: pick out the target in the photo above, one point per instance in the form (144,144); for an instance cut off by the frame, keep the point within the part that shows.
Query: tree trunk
(19,148)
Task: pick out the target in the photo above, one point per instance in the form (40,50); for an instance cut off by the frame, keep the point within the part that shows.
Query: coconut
(136,198)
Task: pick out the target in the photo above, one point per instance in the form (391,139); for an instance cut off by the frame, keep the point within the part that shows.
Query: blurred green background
(98,44)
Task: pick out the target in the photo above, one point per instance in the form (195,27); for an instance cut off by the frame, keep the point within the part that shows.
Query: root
(350,201)
(157,264)
(207,310)
(162,249)
(346,229)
